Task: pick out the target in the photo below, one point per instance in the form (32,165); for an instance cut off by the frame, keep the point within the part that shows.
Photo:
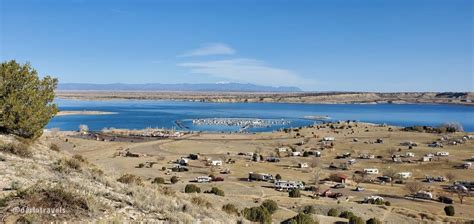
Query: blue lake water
(140,114)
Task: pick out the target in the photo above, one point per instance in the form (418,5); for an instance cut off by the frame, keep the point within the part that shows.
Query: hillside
(40,175)
(465,98)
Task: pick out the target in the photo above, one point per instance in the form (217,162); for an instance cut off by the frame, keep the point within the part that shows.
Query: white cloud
(210,49)
(248,70)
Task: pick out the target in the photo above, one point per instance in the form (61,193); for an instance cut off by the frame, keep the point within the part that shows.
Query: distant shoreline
(464,98)
(83,112)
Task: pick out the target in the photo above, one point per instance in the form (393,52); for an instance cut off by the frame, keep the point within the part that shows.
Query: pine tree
(25,100)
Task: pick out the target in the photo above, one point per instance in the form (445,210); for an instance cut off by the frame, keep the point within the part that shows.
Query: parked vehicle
(446,200)
(359,189)
(338,186)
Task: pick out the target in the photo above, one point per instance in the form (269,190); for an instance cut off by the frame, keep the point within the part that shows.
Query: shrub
(26,100)
(163,168)
(356,220)
(158,180)
(305,154)
(346,214)
(373,221)
(270,205)
(295,193)
(130,179)
(201,202)
(449,210)
(333,212)
(73,164)
(216,191)
(19,149)
(309,209)
(302,218)
(141,165)
(257,214)
(191,188)
(174,179)
(278,176)
(54,147)
(230,209)
(387,203)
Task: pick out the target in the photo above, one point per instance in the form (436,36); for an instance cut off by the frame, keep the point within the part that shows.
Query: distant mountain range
(212,87)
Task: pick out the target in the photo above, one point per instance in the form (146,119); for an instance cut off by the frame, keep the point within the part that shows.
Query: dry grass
(20,149)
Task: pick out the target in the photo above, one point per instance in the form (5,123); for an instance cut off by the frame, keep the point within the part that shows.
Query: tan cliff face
(329,98)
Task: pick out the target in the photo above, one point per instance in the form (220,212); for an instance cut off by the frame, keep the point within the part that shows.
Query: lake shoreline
(83,112)
(466,98)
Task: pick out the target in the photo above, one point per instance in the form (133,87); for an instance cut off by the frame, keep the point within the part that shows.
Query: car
(445,200)
(217,179)
(359,189)
(335,195)
(339,186)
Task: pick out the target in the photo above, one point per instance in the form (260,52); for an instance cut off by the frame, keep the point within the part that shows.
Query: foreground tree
(25,100)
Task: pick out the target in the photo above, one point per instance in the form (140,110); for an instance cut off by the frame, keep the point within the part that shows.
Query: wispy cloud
(248,70)
(210,49)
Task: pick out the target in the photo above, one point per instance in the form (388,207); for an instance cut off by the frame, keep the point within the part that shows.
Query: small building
(371,171)
(426,159)
(339,177)
(203,179)
(410,154)
(302,165)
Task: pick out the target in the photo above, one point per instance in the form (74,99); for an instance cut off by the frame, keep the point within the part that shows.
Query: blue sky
(351,45)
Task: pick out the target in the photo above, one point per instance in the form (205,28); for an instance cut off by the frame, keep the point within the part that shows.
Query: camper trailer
(442,153)
(329,139)
(371,171)
(216,162)
(203,179)
(404,175)
(260,176)
(288,185)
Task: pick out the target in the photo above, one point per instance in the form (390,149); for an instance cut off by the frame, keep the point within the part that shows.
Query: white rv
(288,185)
(442,153)
(371,171)
(404,175)
(216,162)
(203,179)
(329,139)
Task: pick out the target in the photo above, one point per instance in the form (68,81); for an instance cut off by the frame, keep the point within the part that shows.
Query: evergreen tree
(25,100)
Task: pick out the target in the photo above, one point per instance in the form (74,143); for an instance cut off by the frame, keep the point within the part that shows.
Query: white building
(410,154)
